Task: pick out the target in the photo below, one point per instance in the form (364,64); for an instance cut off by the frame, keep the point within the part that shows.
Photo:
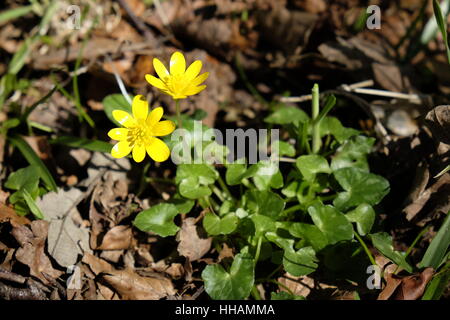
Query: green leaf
(437,286)
(332,223)
(194,179)
(266,175)
(265,203)
(234,285)
(332,126)
(364,216)
(115,102)
(34,160)
(353,153)
(25,178)
(383,242)
(32,205)
(75,142)
(360,187)
(183,205)
(263,225)
(287,115)
(235,173)
(286,149)
(438,247)
(301,262)
(311,165)
(215,225)
(310,233)
(158,219)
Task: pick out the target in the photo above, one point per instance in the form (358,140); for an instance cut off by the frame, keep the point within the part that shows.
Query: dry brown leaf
(438,120)
(8,214)
(406,288)
(300,286)
(117,238)
(32,250)
(191,245)
(128,284)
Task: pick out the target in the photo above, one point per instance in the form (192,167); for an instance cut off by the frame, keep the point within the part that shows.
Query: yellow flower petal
(194,90)
(158,150)
(154,116)
(140,107)
(124,118)
(163,128)
(193,70)
(139,153)
(177,63)
(155,82)
(121,149)
(160,69)
(118,134)
(200,79)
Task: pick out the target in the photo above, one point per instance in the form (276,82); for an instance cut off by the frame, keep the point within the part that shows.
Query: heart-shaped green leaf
(287,115)
(265,203)
(364,216)
(215,225)
(158,219)
(383,242)
(360,187)
(332,223)
(234,285)
(311,165)
(194,179)
(353,153)
(310,233)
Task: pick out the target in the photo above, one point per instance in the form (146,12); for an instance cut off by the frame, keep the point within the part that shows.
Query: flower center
(141,134)
(176,83)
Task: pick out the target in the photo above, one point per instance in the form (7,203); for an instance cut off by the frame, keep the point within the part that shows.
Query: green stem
(218,193)
(224,187)
(177,107)
(419,236)
(366,249)
(316,124)
(292,209)
(255,293)
(258,250)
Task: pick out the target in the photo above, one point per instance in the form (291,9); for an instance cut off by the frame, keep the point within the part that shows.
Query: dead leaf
(406,288)
(117,238)
(32,250)
(8,214)
(128,284)
(438,120)
(191,245)
(300,286)
(67,238)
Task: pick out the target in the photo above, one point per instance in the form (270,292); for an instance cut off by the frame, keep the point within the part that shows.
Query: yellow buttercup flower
(180,82)
(140,131)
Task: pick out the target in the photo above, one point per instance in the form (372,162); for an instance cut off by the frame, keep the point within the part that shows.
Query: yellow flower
(180,82)
(140,131)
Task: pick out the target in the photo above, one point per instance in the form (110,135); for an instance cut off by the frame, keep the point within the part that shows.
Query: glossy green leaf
(194,179)
(115,102)
(287,115)
(353,153)
(332,223)
(310,233)
(215,225)
(364,216)
(233,285)
(158,219)
(264,202)
(301,262)
(282,295)
(266,175)
(25,178)
(360,187)
(436,288)
(383,242)
(311,165)
(286,149)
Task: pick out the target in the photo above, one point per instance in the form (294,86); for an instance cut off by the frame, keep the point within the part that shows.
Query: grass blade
(32,205)
(442,25)
(14,13)
(438,246)
(33,159)
(75,142)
